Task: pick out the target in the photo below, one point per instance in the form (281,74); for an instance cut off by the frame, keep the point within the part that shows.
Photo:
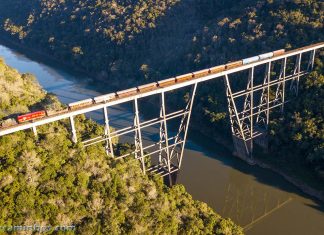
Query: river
(257,199)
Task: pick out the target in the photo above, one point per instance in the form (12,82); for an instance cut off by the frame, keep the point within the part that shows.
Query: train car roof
(80,102)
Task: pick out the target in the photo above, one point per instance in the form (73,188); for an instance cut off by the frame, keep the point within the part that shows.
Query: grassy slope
(50,181)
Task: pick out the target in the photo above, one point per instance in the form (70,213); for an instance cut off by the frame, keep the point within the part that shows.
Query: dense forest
(298,136)
(124,43)
(154,39)
(51,181)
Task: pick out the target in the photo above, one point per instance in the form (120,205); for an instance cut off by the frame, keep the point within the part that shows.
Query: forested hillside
(169,36)
(91,34)
(51,181)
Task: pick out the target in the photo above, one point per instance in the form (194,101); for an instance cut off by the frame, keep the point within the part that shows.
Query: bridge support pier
(181,137)
(35,131)
(109,145)
(262,140)
(249,119)
(185,123)
(74,135)
(171,179)
(242,122)
(242,148)
(138,137)
(164,153)
(171,150)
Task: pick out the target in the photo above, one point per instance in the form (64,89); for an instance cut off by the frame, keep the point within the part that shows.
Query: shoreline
(308,190)
(35,54)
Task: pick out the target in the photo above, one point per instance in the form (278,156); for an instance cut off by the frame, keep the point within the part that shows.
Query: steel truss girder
(262,118)
(183,129)
(294,85)
(164,151)
(107,135)
(280,90)
(247,113)
(271,83)
(132,128)
(169,158)
(310,64)
(245,127)
(238,133)
(138,136)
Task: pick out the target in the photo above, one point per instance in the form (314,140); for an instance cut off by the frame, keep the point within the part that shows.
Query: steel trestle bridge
(268,83)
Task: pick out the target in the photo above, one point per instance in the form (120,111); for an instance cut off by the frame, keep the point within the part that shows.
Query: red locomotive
(31,116)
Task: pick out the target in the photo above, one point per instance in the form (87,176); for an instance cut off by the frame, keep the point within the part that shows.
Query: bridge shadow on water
(198,142)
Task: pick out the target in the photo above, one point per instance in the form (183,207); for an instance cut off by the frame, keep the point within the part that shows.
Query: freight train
(30,117)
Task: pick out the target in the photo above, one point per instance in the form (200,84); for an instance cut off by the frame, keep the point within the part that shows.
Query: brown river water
(257,199)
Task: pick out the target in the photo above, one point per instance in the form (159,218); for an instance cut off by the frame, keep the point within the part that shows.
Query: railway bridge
(262,83)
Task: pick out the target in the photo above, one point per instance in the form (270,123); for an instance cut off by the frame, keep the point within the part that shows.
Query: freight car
(104,98)
(265,55)
(262,56)
(217,69)
(147,87)
(234,64)
(250,60)
(166,82)
(127,92)
(79,104)
(183,78)
(201,73)
(278,52)
(50,112)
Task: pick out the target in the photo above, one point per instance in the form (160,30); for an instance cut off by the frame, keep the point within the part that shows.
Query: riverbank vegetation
(48,180)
